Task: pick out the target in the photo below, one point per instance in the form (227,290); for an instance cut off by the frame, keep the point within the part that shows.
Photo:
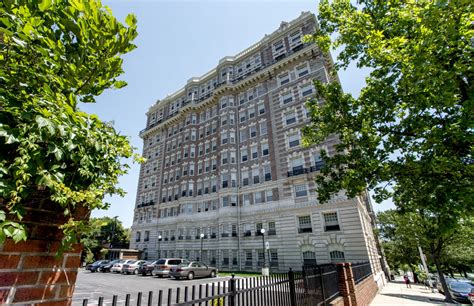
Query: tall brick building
(225,159)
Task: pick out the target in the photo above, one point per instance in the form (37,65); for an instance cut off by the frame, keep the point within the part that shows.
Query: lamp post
(158,250)
(265,271)
(202,237)
(113,233)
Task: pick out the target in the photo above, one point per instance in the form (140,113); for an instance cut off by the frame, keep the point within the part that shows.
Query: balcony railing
(297,171)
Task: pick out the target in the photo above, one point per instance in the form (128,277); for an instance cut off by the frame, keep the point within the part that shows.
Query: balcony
(318,166)
(305,230)
(297,171)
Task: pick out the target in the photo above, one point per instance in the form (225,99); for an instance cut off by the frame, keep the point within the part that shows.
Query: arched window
(337,256)
(309,258)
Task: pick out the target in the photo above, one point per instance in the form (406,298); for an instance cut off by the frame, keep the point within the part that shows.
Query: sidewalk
(397,294)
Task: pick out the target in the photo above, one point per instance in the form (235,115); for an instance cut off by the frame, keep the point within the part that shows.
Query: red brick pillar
(30,271)
(346,284)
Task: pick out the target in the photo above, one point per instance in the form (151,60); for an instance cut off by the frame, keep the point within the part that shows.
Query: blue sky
(178,40)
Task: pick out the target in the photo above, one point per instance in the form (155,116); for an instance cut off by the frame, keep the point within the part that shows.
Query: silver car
(117,267)
(193,269)
(164,265)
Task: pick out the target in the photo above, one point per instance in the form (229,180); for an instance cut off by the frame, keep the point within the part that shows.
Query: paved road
(93,285)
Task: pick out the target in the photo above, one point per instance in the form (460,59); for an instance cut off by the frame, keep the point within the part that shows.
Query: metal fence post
(291,278)
(233,290)
(323,293)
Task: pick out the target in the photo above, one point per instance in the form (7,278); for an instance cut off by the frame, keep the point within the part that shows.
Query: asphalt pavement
(91,286)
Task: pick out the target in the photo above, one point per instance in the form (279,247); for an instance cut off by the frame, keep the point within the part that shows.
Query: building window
(309,258)
(244,154)
(290,118)
(147,236)
(225,201)
(263,128)
(137,236)
(258,197)
(337,256)
(246,198)
(269,195)
(248,258)
(301,190)
(287,97)
(273,258)
(284,79)
(253,131)
(302,71)
(297,166)
(331,222)
(245,178)
(307,90)
(304,224)
(293,140)
(243,135)
(268,173)
(261,109)
(254,152)
(242,117)
(248,229)
(264,149)
(252,112)
(271,228)
(256,176)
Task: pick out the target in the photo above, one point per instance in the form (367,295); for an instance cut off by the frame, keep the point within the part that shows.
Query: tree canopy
(54,55)
(409,133)
(103,233)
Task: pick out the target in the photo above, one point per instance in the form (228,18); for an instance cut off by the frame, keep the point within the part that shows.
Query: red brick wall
(366,291)
(30,271)
(352,294)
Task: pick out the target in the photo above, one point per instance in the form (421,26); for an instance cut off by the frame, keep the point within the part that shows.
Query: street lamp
(113,233)
(265,271)
(158,251)
(202,237)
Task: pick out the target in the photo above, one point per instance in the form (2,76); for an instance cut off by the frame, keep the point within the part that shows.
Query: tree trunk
(447,295)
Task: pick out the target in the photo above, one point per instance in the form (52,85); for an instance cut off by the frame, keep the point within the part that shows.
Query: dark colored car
(95,266)
(193,269)
(460,291)
(106,266)
(147,267)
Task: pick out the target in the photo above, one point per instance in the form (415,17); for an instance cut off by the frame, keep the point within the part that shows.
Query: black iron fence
(361,271)
(316,285)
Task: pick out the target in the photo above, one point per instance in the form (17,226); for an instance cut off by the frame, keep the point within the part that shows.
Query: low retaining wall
(353,294)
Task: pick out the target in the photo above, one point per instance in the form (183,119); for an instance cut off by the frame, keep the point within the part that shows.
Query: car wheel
(99,270)
(213,273)
(135,271)
(190,275)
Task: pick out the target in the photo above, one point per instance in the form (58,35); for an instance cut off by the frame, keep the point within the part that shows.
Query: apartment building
(225,160)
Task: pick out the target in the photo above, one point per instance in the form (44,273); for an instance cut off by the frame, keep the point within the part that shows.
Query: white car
(117,268)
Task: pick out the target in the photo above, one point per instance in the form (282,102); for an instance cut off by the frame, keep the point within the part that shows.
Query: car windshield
(98,262)
(184,264)
(161,262)
(460,286)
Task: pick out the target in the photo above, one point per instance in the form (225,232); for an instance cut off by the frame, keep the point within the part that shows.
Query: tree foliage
(402,233)
(103,233)
(411,127)
(54,55)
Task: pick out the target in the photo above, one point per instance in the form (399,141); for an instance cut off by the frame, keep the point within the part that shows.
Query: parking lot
(91,286)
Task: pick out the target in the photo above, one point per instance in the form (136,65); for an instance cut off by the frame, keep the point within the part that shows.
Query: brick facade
(353,294)
(31,273)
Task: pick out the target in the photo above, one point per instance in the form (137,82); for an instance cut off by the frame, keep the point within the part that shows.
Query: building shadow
(418,298)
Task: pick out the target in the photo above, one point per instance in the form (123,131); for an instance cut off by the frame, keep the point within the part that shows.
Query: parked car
(132,267)
(105,267)
(471,296)
(117,268)
(164,265)
(460,290)
(193,269)
(94,266)
(147,268)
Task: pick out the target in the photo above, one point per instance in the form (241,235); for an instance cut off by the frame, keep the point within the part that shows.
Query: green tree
(54,55)
(409,133)
(103,233)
